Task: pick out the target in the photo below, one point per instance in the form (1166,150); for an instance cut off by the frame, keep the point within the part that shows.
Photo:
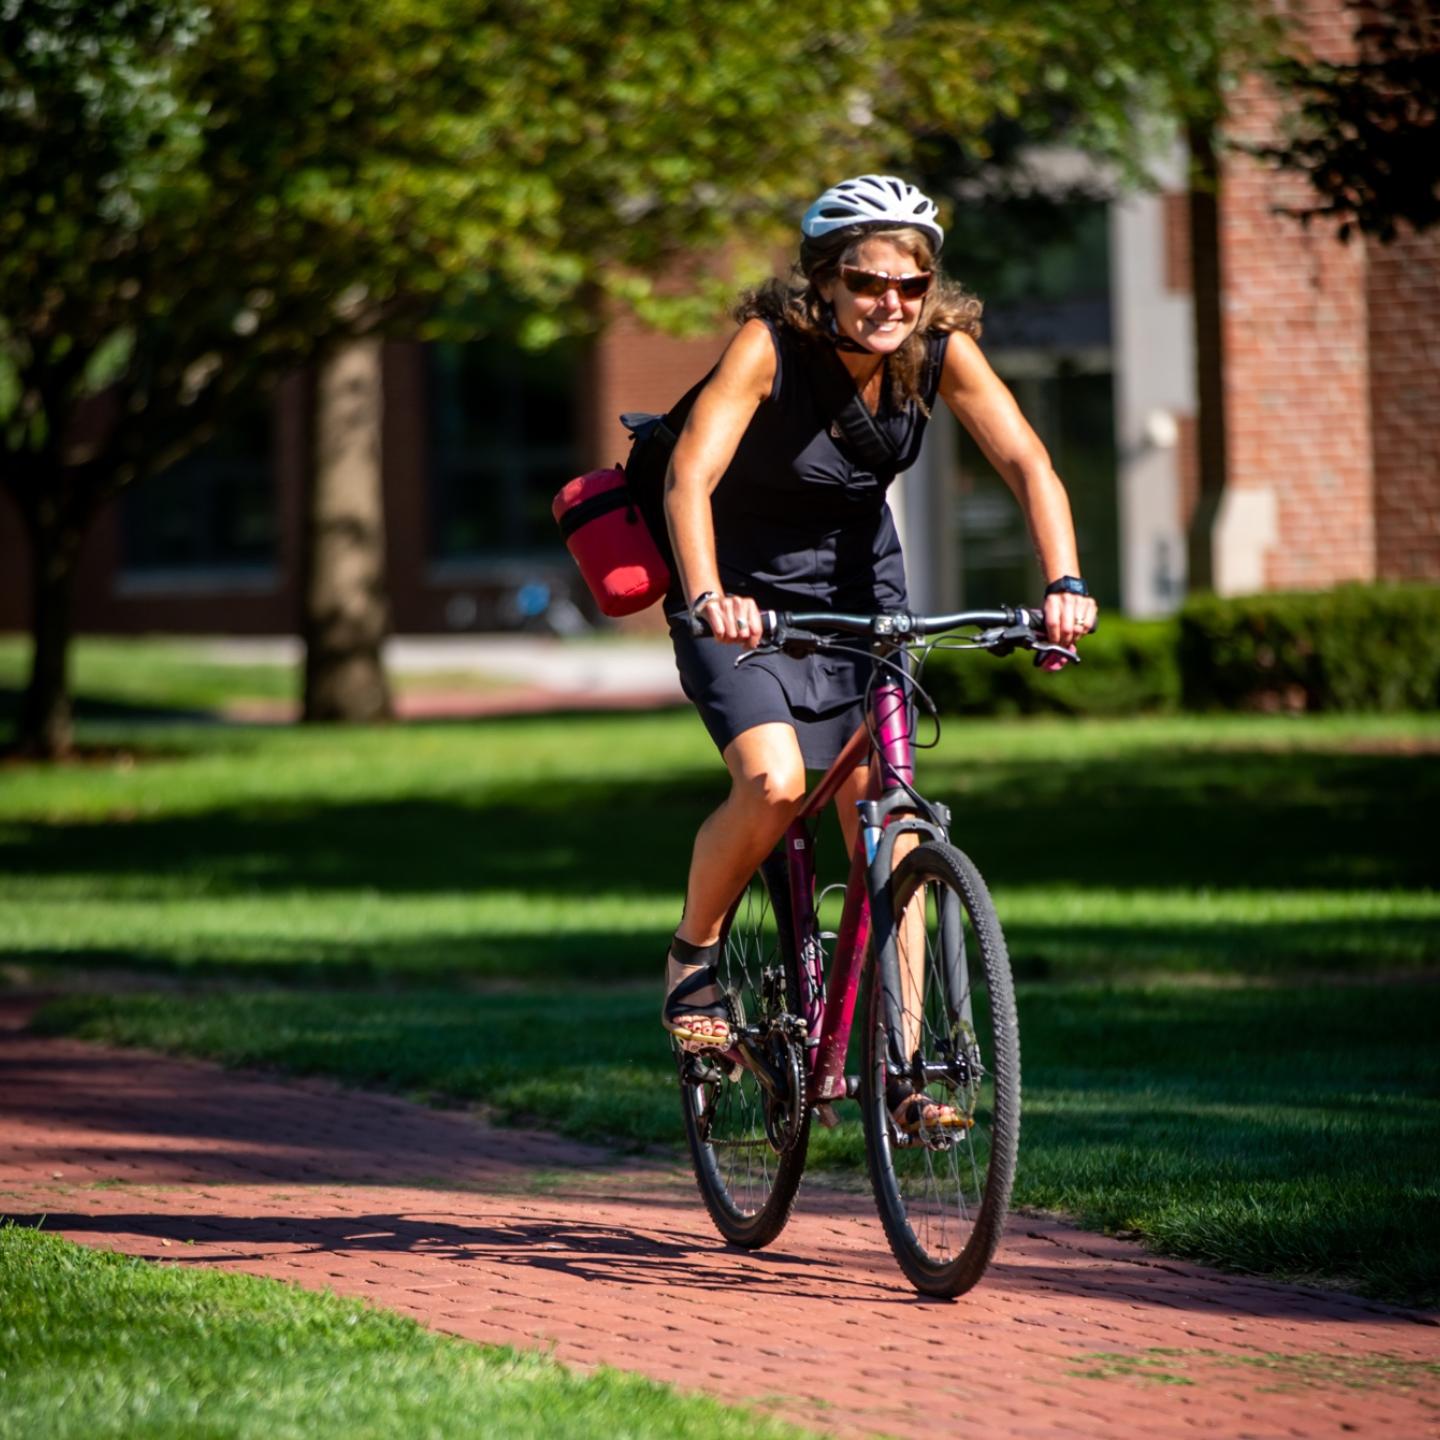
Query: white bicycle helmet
(872,200)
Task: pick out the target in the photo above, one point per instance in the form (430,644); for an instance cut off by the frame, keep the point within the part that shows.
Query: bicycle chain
(784,1137)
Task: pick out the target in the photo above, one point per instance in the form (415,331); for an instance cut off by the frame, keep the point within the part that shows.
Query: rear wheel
(949,1030)
(747,1139)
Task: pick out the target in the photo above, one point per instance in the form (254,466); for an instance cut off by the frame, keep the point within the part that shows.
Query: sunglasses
(873,283)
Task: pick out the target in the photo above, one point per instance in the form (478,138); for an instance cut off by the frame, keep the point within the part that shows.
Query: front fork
(867,926)
(883,821)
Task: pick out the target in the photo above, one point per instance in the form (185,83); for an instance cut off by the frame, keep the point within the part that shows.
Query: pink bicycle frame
(829,1011)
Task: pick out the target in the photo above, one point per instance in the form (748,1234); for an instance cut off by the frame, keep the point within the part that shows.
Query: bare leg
(767,784)
(849,795)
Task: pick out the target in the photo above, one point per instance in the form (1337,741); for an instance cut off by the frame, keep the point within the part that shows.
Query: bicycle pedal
(825,1114)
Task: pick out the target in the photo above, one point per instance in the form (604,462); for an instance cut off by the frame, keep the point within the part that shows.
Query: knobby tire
(943,1199)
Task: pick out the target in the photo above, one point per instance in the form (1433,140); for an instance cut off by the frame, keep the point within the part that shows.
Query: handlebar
(1001,631)
(899,624)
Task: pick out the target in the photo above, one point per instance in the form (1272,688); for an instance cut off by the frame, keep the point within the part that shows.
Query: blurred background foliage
(201,198)
(194,192)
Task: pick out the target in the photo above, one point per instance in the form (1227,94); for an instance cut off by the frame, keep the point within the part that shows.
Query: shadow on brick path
(532,1240)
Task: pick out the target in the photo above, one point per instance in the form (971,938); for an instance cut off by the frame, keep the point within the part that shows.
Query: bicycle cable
(915,692)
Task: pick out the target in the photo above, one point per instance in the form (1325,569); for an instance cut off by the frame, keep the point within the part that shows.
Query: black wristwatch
(1067,585)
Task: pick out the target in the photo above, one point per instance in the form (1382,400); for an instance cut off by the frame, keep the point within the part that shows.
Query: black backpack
(652,438)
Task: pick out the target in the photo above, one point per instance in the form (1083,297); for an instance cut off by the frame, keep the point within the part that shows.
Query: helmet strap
(838,339)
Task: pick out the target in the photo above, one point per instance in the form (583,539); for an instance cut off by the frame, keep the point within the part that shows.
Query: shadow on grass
(103,710)
(580,954)
(1077,949)
(1241,820)
(530,869)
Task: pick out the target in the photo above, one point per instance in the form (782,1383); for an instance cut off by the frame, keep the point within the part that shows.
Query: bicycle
(940,1009)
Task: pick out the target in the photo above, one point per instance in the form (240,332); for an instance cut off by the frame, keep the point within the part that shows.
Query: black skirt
(821,696)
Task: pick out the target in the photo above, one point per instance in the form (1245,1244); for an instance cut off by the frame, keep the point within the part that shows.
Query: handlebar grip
(769,624)
(1036,621)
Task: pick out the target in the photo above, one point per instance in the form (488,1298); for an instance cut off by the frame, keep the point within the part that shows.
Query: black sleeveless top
(799,522)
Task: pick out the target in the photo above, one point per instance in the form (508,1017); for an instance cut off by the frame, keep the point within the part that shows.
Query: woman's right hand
(735,619)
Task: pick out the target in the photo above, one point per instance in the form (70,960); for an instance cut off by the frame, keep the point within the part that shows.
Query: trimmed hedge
(1128,667)
(1357,647)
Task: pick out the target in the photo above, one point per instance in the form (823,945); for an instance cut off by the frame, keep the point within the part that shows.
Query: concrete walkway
(528,674)
(532,1240)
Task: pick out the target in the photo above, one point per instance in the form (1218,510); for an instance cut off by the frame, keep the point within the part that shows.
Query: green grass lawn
(94,1345)
(554,847)
(129,677)
(1225,929)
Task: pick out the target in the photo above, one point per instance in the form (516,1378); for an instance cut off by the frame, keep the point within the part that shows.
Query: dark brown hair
(798,304)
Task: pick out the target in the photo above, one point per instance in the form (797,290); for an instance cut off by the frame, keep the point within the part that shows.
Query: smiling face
(881,324)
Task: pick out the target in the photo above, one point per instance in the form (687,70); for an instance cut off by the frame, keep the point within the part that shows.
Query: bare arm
(987,409)
(707,444)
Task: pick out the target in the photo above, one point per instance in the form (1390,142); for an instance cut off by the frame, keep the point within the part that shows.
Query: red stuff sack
(610,542)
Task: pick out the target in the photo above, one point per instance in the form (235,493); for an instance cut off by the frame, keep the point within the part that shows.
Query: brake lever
(1006,639)
(800,643)
(784,641)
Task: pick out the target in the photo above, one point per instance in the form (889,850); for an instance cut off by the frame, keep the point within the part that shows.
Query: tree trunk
(45,730)
(346,613)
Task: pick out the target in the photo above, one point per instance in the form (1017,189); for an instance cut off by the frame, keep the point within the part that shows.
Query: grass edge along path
(1269,1130)
(182,1351)
(506,852)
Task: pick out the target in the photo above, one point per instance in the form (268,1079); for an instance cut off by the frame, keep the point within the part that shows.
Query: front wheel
(748,1141)
(945,1025)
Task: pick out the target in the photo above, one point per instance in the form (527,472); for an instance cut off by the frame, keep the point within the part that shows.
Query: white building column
(1153,338)
(922,501)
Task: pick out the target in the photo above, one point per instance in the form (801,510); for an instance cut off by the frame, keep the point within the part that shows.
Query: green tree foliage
(196,198)
(1367,133)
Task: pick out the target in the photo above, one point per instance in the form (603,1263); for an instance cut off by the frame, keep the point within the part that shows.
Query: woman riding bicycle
(774,500)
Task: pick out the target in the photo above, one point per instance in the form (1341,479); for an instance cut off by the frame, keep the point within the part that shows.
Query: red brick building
(1331,377)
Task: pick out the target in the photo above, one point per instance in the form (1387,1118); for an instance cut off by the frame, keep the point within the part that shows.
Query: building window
(1072,412)
(212,514)
(504,437)
(1043,271)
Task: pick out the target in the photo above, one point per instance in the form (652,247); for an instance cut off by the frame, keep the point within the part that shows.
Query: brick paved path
(529,1240)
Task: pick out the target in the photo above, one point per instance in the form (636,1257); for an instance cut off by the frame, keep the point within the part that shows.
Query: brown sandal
(910,1114)
(693,994)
